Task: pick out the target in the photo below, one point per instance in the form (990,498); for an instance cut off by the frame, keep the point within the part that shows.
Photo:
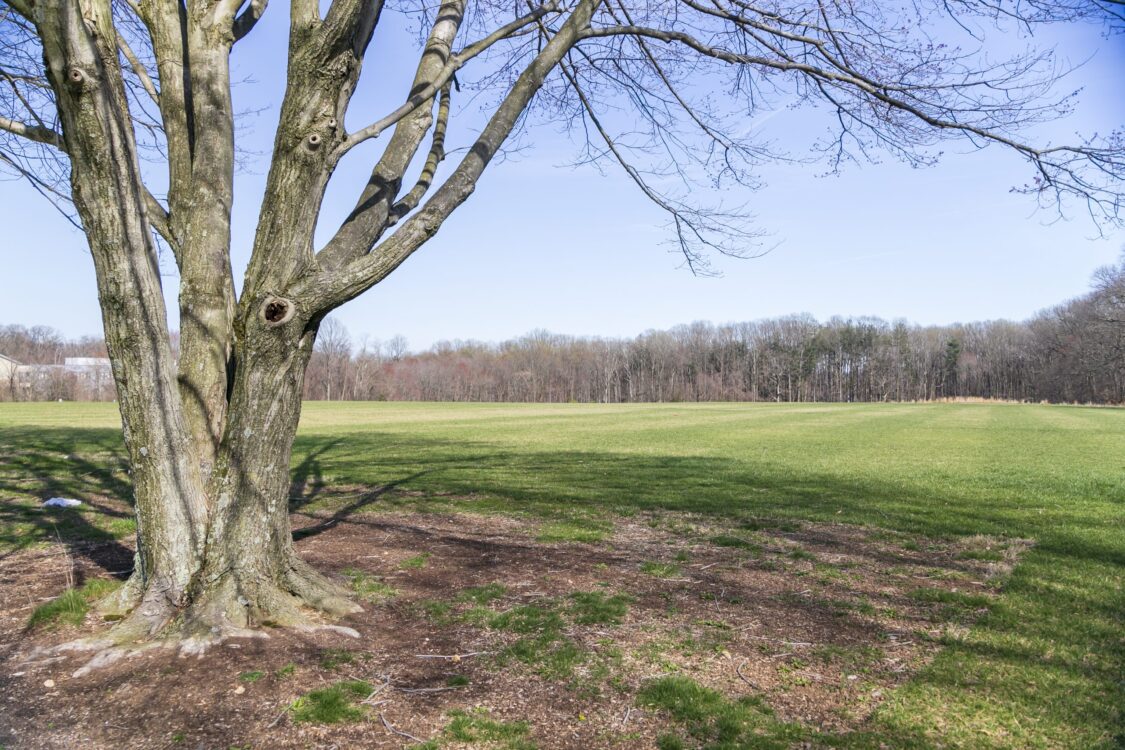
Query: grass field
(1043,669)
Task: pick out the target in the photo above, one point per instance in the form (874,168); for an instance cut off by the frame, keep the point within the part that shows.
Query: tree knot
(76,77)
(277,310)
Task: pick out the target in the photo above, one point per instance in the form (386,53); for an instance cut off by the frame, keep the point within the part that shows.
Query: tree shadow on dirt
(396,472)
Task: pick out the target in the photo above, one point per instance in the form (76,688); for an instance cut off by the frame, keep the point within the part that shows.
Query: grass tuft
(594,607)
(737,542)
(416,562)
(482,595)
(660,570)
(70,607)
(331,705)
(588,532)
(714,721)
(369,587)
(334,658)
(476,727)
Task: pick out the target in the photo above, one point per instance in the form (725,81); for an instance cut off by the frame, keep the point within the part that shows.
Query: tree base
(230,607)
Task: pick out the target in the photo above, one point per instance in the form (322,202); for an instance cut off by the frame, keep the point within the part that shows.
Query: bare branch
(1057,166)
(455,63)
(138,69)
(36,133)
(332,287)
(246,21)
(434,158)
(368,220)
(693,226)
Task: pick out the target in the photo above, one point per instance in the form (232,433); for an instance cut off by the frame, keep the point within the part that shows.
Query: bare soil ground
(822,621)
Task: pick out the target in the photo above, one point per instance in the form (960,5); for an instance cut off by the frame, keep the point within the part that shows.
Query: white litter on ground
(61,502)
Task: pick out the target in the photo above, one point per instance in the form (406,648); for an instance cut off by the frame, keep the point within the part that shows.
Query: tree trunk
(214,548)
(251,575)
(210,449)
(168,490)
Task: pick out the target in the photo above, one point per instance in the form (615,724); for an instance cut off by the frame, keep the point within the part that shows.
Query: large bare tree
(100,97)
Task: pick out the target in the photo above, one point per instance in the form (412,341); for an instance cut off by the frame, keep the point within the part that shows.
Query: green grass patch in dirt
(660,569)
(71,606)
(476,728)
(482,594)
(711,721)
(334,704)
(543,643)
(368,587)
(737,542)
(333,659)
(416,562)
(589,532)
(595,607)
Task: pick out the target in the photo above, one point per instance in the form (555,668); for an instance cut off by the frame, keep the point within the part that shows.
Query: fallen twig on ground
(391,728)
(451,657)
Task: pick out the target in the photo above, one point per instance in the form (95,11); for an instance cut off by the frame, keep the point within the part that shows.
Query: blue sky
(543,245)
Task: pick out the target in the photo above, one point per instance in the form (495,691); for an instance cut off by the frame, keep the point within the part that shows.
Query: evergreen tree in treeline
(1074,352)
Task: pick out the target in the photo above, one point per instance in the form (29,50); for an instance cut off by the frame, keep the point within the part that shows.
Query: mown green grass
(712,721)
(1041,669)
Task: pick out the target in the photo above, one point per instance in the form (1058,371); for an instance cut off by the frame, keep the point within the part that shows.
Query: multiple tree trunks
(210,444)
(210,482)
(170,498)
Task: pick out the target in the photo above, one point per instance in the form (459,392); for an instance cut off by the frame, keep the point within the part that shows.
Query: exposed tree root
(123,601)
(231,607)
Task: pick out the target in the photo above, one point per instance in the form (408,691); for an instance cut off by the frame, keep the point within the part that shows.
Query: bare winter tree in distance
(93,88)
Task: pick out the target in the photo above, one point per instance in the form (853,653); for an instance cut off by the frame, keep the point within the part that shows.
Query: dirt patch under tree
(475,622)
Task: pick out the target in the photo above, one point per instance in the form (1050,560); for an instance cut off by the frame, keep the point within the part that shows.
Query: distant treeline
(1074,352)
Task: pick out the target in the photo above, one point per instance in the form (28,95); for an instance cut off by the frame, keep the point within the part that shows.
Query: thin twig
(390,727)
(795,644)
(451,657)
(744,678)
(427,690)
(376,691)
(66,555)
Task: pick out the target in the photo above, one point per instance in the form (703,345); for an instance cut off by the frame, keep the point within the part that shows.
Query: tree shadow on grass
(308,476)
(559,484)
(349,509)
(84,464)
(1075,548)
(425,473)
